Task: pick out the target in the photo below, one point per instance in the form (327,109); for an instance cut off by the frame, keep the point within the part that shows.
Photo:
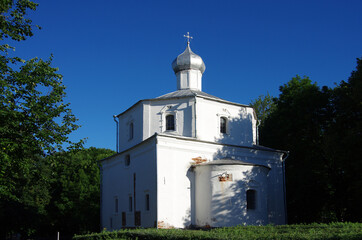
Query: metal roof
(188,60)
(187,93)
(230,162)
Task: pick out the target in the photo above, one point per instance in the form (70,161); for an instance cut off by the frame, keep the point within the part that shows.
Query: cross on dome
(188,38)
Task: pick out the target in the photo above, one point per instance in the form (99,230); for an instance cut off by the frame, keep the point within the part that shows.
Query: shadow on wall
(229,205)
(239,130)
(228,199)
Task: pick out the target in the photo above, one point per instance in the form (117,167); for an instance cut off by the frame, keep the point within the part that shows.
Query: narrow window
(124,222)
(116,205)
(223,123)
(127,160)
(147,202)
(130,204)
(251,199)
(170,122)
(131,131)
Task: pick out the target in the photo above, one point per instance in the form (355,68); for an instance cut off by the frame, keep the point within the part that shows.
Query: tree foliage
(321,127)
(263,106)
(343,148)
(13,21)
(75,191)
(34,123)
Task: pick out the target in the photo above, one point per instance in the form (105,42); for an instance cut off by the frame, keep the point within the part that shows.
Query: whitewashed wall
(176,183)
(241,128)
(117,182)
(155,116)
(223,203)
(175,180)
(200,120)
(133,115)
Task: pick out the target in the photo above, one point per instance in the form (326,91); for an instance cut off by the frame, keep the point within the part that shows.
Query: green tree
(75,191)
(343,148)
(297,124)
(34,122)
(263,106)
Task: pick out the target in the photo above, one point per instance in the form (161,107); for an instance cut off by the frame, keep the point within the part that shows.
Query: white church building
(190,159)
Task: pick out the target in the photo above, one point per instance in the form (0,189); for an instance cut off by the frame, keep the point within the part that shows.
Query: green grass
(300,231)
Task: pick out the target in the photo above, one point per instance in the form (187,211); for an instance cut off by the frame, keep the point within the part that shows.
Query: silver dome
(188,60)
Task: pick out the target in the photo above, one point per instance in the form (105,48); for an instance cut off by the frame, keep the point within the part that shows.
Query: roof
(188,60)
(195,93)
(185,93)
(230,162)
(253,147)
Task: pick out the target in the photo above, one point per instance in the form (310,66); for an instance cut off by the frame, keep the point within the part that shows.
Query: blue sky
(113,53)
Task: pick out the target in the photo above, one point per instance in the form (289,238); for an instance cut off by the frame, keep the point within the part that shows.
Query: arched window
(250,199)
(130,131)
(223,124)
(127,160)
(170,122)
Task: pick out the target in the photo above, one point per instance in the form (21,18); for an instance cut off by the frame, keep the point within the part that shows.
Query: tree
(263,106)
(297,124)
(75,190)
(322,129)
(343,148)
(34,122)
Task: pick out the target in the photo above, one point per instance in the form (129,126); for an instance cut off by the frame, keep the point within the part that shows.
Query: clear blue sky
(113,53)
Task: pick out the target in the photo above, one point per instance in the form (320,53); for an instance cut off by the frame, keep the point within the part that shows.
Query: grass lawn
(300,231)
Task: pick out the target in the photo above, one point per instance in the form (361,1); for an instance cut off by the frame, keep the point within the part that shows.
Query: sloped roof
(194,93)
(230,162)
(186,93)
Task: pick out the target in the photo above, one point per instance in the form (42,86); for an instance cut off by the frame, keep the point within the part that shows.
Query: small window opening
(251,199)
(127,160)
(131,128)
(130,206)
(170,122)
(116,205)
(147,202)
(223,123)
(124,222)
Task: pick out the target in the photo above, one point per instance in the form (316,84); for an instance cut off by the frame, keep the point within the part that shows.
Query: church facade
(188,159)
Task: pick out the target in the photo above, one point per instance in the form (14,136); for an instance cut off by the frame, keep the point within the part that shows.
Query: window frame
(223,129)
(166,112)
(167,122)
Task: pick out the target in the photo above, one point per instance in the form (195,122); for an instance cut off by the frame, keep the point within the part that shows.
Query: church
(189,159)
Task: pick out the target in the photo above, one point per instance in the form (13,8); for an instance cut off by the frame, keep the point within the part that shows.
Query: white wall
(117,181)
(176,182)
(133,115)
(182,109)
(148,118)
(223,203)
(241,128)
